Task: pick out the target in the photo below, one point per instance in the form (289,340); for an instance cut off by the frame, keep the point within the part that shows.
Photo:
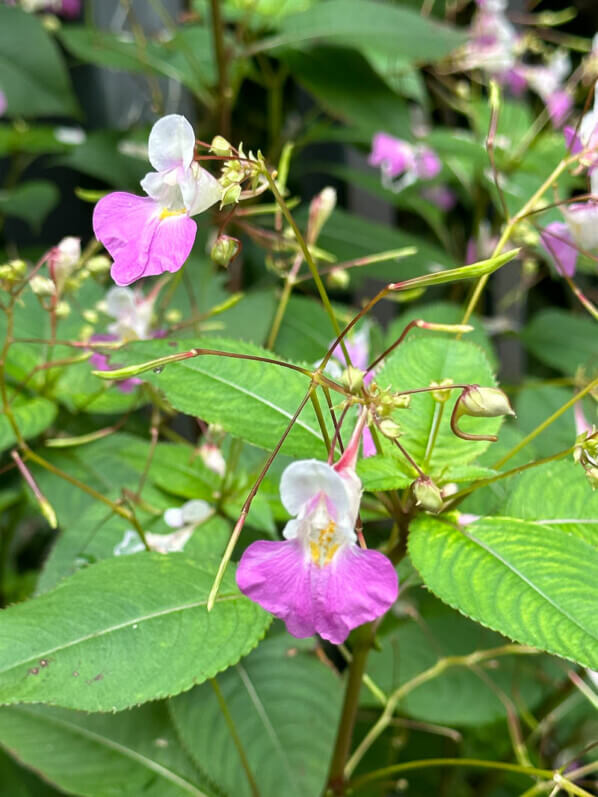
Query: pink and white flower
(564,240)
(585,137)
(150,235)
(548,82)
(319,580)
(402,163)
(493,41)
(132,313)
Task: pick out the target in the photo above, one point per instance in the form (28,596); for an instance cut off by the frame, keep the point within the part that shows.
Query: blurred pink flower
(153,234)
(564,240)
(3,103)
(400,159)
(441,196)
(318,580)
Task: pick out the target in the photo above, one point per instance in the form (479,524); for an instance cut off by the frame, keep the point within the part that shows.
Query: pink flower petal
(368,445)
(356,587)
(557,241)
(572,140)
(559,104)
(139,241)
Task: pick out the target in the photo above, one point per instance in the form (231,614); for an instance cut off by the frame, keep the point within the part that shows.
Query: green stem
(364,637)
(545,424)
(235,737)
(427,675)
(319,415)
(220,53)
(308,259)
(476,763)
(508,230)
(438,410)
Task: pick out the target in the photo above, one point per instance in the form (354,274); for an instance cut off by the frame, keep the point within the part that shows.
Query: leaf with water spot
(125,631)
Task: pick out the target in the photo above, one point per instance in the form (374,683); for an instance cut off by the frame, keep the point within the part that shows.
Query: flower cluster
(497,49)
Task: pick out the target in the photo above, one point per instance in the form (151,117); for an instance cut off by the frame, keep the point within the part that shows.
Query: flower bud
(42,286)
(13,271)
(592,475)
(19,267)
(338,279)
(99,264)
(484,402)
(320,209)
(401,402)
(230,195)
(220,146)
(90,316)
(390,429)
(441,395)
(427,494)
(224,250)
(62,310)
(173,316)
(352,378)
(64,259)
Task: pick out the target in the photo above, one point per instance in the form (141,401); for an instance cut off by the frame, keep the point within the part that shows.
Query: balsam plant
(270,523)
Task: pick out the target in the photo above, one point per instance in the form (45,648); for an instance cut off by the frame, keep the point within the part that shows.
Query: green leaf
(19,782)
(365,23)
(252,400)
(349,89)
(30,201)
(556,494)
(185,58)
(34,78)
(418,362)
(460,695)
(133,752)
(532,583)
(32,416)
(101,156)
(533,405)
(562,340)
(384,473)
(36,140)
(125,631)
(284,704)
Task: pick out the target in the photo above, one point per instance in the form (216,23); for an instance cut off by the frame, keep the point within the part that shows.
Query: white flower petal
(120,302)
(200,190)
(171,143)
(174,517)
(303,480)
(196,511)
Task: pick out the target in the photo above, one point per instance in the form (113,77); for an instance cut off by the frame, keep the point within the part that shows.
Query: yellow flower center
(323,549)
(166,213)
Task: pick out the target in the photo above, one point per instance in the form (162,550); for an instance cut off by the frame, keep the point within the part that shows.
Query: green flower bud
(592,475)
(484,402)
(338,279)
(230,195)
(90,316)
(42,286)
(224,250)
(441,395)
(401,402)
(352,379)
(99,264)
(390,429)
(173,316)
(62,310)
(427,494)
(220,146)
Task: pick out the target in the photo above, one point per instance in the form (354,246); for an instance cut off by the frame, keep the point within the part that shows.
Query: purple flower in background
(132,314)
(564,240)
(3,103)
(319,580)
(440,195)
(149,235)
(547,81)
(400,159)
(557,241)
(585,137)
(492,41)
